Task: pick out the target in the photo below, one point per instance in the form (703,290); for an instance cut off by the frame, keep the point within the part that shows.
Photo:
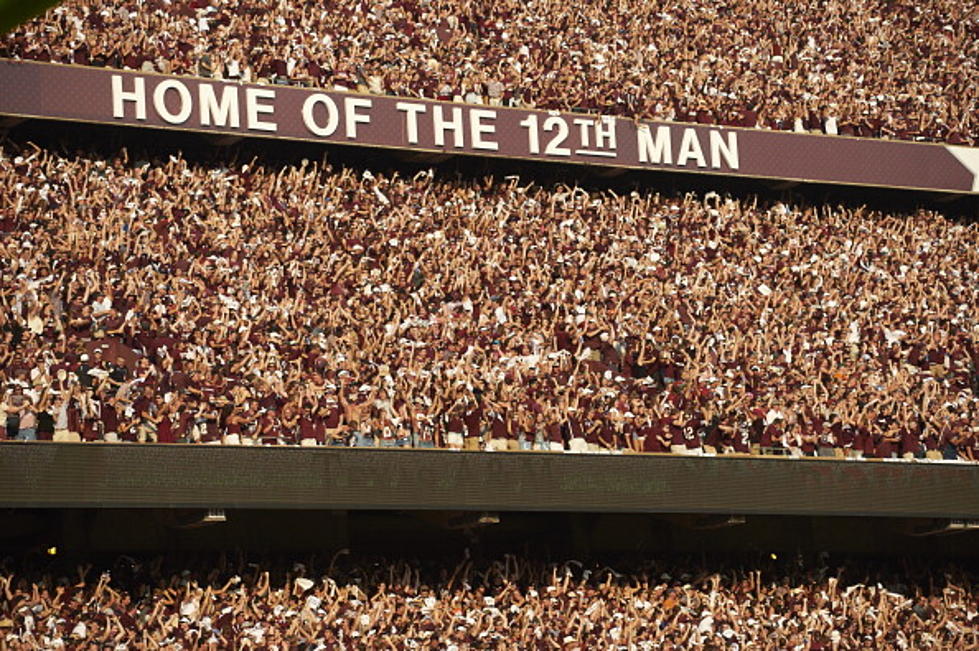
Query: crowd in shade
(504,604)
(873,68)
(238,303)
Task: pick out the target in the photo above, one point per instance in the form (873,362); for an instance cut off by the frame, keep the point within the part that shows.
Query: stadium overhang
(53,475)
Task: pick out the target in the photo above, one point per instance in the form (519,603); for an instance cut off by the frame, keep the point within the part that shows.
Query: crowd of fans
(877,68)
(506,604)
(169,301)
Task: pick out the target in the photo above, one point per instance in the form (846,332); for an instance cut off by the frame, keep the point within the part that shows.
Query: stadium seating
(159,300)
(513,602)
(152,298)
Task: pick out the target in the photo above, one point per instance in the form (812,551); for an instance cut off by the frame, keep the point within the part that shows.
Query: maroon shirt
(910,441)
(109,418)
(498,427)
(308,429)
(164,431)
(554,433)
(472,419)
(651,433)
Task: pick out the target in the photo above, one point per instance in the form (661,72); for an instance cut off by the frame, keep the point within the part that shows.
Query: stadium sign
(96,95)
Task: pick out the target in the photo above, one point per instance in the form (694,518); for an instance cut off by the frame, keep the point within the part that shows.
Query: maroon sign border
(83,94)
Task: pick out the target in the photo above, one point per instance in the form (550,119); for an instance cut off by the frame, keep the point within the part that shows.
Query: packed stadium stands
(241,303)
(222,602)
(148,296)
(882,68)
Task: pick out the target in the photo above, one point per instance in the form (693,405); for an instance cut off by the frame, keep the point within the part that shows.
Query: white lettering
(533,138)
(554,147)
(690,148)
(477,129)
(441,125)
(583,124)
(332,115)
(728,150)
(353,118)
(605,133)
(223,113)
(137,95)
(657,150)
(253,109)
(412,111)
(160,101)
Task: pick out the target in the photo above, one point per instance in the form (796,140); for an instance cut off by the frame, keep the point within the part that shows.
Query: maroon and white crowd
(239,303)
(506,604)
(874,68)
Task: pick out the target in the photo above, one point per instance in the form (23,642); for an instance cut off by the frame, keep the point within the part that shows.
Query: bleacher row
(162,300)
